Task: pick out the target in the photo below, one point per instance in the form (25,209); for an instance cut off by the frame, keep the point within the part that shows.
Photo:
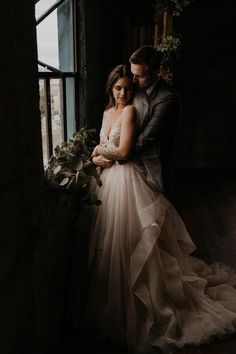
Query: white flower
(169,44)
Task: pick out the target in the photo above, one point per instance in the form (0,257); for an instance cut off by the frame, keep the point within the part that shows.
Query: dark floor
(75,346)
(207,204)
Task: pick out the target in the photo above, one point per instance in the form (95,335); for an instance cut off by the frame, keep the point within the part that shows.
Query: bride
(147,292)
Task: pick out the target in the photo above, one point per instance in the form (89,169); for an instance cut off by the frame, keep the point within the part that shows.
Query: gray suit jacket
(159,127)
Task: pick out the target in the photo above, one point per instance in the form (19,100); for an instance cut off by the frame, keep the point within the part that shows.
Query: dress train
(146,290)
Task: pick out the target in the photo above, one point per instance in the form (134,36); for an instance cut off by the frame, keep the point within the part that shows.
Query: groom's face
(143,78)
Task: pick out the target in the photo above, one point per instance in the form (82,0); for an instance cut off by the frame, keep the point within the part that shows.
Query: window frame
(55,73)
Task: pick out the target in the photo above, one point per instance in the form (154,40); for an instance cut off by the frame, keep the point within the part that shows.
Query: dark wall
(205,73)
(21,174)
(206,78)
(104,32)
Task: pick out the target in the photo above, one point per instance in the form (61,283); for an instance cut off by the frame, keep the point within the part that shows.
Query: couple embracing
(157,109)
(147,293)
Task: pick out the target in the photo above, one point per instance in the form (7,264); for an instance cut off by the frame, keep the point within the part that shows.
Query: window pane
(47,38)
(55,42)
(70,106)
(42,6)
(65,35)
(44,128)
(56,112)
(43,69)
(55,38)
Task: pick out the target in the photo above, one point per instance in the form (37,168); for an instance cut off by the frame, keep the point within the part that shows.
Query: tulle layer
(146,290)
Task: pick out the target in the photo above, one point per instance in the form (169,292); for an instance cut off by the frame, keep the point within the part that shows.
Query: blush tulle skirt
(146,291)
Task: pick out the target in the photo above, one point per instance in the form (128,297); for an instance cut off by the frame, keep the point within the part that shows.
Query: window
(56,40)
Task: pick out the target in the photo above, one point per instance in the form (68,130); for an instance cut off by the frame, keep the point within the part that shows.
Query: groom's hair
(147,55)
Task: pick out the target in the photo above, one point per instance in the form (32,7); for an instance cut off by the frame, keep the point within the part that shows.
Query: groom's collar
(149,90)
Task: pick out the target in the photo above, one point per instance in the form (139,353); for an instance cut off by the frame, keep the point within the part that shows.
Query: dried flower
(170,44)
(170,48)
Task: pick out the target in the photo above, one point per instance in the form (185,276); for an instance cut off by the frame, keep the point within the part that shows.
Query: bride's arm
(101,161)
(127,138)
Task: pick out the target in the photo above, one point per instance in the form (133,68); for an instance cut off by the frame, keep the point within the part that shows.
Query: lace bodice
(111,138)
(148,160)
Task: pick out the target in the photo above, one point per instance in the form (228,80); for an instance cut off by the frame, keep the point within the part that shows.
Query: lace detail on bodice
(111,138)
(149,160)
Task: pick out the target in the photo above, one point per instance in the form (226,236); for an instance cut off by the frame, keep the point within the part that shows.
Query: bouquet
(70,170)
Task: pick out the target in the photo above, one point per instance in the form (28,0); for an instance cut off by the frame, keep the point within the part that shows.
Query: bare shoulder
(129,114)
(129,109)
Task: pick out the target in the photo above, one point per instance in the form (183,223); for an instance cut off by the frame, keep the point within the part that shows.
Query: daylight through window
(56,29)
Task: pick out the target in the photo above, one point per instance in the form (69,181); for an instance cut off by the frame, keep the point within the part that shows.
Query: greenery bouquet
(70,170)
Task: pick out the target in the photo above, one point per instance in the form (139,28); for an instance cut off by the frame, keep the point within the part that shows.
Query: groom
(158,106)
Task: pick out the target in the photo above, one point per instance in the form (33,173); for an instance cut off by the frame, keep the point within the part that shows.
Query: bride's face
(122,91)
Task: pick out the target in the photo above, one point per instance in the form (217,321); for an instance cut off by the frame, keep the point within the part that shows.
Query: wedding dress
(146,290)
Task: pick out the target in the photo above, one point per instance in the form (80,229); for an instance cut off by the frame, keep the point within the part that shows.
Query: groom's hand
(102,161)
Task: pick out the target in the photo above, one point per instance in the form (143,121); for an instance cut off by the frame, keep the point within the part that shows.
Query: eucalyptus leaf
(86,196)
(85,157)
(77,164)
(64,181)
(57,169)
(90,169)
(93,198)
(69,184)
(82,180)
(57,149)
(82,173)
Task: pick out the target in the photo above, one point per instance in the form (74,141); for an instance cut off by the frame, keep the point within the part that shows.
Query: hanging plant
(174,7)
(170,48)
(177,6)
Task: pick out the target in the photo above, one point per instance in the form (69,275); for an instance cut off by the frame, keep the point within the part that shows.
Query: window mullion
(64,110)
(49,67)
(49,115)
(74,24)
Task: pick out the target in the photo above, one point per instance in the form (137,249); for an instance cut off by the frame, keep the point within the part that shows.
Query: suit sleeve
(162,122)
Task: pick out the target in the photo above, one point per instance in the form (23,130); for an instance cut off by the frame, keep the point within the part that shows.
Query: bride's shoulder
(106,113)
(129,114)
(129,109)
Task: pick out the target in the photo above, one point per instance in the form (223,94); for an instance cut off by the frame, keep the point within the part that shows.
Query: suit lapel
(150,98)
(140,102)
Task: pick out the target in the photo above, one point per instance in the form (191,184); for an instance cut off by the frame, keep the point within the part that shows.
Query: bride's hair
(120,71)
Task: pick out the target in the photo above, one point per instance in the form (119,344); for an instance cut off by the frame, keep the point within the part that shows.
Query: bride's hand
(102,161)
(94,153)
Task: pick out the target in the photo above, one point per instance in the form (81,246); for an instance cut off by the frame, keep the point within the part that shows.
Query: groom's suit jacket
(159,125)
